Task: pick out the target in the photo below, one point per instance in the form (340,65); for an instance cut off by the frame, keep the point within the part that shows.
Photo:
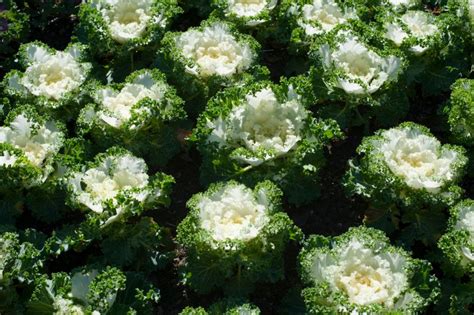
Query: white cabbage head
(250,8)
(261,122)
(233,213)
(327,13)
(117,107)
(366,277)
(127,19)
(215,51)
(51,75)
(115,175)
(38,142)
(401,4)
(417,158)
(420,25)
(364,70)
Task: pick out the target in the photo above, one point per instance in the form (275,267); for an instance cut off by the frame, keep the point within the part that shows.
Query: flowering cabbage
(458,242)
(20,262)
(365,80)
(402,5)
(414,26)
(350,65)
(205,59)
(360,272)
(246,13)
(309,19)
(224,307)
(234,237)
(93,290)
(460,112)
(264,131)
(122,26)
(117,185)
(52,79)
(138,114)
(407,166)
(28,146)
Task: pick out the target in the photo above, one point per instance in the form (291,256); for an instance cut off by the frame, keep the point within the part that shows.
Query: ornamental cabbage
(116,184)
(460,112)
(122,26)
(246,13)
(238,235)
(309,19)
(408,166)
(419,25)
(138,114)
(458,242)
(205,59)
(263,131)
(84,292)
(28,146)
(360,272)
(402,5)
(359,70)
(52,79)
(20,263)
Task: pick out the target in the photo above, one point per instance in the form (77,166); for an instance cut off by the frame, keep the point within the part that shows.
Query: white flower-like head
(51,75)
(466,222)
(364,70)
(250,8)
(365,276)
(118,106)
(115,175)
(215,51)
(64,306)
(417,158)
(326,13)
(419,24)
(126,19)
(403,4)
(262,122)
(38,142)
(233,213)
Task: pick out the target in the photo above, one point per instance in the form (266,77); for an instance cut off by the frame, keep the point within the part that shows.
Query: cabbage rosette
(457,244)
(401,5)
(415,31)
(307,20)
(434,43)
(407,166)
(203,60)
(52,80)
(116,185)
(460,112)
(246,13)
(29,144)
(363,79)
(20,263)
(92,290)
(264,131)
(139,114)
(125,26)
(234,236)
(360,272)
